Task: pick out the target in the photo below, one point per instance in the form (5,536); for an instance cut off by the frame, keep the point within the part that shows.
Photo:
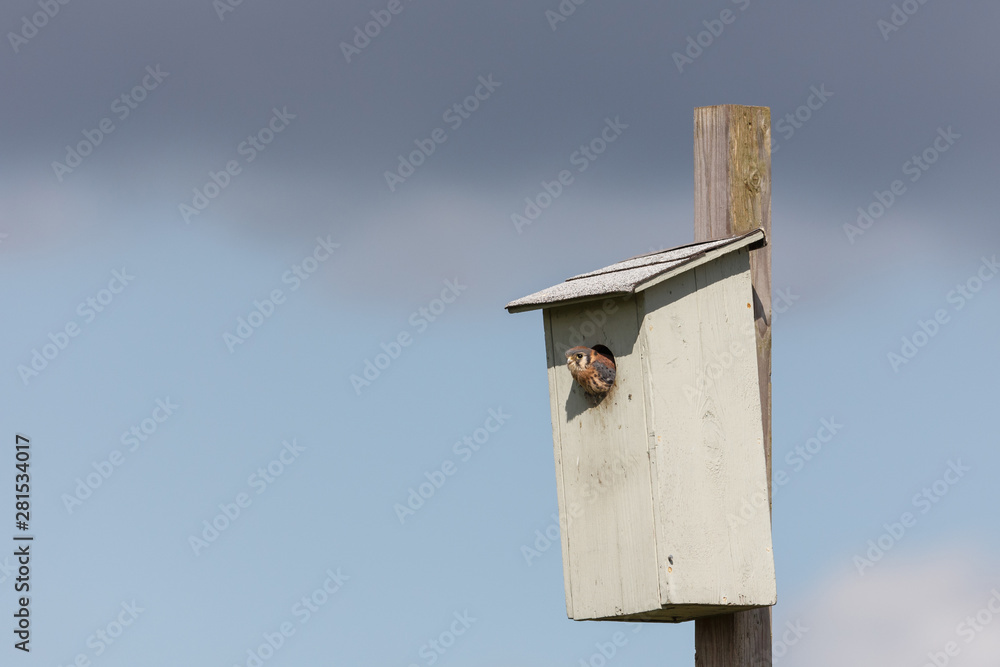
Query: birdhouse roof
(635,274)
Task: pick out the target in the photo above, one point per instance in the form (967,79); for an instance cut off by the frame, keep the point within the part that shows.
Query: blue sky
(281,407)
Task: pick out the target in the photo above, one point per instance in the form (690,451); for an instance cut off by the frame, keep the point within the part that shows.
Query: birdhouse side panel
(705,418)
(602,465)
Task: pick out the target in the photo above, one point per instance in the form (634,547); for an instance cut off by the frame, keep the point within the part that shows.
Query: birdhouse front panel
(699,347)
(602,465)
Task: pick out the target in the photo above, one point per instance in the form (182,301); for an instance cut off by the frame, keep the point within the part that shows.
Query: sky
(217,212)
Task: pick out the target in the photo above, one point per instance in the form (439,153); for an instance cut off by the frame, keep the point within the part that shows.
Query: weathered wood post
(732,195)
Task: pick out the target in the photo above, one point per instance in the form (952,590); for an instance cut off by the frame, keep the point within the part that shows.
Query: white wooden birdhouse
(662,482)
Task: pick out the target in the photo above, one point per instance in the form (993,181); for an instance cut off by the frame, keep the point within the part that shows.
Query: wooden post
(732,195)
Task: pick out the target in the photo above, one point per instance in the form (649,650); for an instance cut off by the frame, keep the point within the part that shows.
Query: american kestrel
(593,368)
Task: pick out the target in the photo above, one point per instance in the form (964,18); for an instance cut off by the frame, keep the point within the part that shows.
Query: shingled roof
(635,274)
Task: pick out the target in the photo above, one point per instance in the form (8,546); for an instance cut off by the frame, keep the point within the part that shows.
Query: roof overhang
(636,274)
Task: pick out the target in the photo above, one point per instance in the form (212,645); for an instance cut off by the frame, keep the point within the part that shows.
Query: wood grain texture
(732,158)
(734,640)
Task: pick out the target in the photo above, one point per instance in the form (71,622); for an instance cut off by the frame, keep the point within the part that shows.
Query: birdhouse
(662,481)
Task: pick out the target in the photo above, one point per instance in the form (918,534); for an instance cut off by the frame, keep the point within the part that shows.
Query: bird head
(578,358)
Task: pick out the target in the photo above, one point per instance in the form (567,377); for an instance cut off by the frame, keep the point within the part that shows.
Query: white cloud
(900,615)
